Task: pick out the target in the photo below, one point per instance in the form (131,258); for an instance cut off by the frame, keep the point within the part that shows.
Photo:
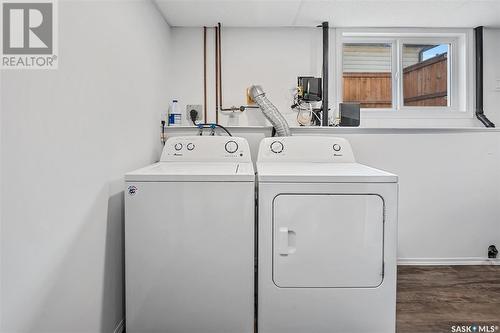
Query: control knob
(178,146)
(231,147)
(336,147)
(277,147)
(190,146)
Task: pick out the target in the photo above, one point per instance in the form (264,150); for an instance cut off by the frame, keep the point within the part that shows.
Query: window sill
(346,130)
(415,114)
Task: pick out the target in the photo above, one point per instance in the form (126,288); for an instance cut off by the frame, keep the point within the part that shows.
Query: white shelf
(346,130)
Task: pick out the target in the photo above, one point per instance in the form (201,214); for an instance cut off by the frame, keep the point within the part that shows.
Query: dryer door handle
(283,241)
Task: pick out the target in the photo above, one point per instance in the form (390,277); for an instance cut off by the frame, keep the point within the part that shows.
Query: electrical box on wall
(197,110)
(309,88)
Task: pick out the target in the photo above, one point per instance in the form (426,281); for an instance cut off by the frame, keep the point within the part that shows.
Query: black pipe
(479,79)
(205,74)
(324,117)
(219,52)
(216,74)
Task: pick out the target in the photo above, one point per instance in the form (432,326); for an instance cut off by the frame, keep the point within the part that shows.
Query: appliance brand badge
(132,190)
(29,34)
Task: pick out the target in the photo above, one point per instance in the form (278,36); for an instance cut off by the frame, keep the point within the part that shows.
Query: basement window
(367,74)
(426,75)
(406,72)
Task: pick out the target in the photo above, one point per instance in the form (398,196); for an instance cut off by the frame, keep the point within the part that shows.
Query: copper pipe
(218,78)
(221,107)
(221,104)
(216,75)
(205,74)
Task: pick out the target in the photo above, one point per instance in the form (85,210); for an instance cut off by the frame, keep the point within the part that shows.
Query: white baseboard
(447,261)
(120,327)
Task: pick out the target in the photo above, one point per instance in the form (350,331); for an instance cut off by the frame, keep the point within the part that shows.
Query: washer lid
(302,172)
(194,171)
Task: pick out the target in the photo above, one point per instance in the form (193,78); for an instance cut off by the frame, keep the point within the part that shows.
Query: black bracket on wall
(479,78)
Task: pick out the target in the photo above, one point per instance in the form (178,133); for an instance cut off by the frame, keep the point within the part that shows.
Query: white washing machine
(189,239)
(327,239)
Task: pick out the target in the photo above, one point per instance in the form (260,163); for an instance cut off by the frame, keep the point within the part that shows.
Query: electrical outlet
(198,108)
(164,117)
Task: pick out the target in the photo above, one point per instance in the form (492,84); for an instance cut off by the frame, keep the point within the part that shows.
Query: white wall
(68,136)
(273,58)
(449,190)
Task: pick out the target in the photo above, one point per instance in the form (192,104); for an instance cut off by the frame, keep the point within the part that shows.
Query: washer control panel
(206,148)
(305,149)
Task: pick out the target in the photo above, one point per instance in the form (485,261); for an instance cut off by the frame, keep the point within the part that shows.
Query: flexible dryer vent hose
(270,111)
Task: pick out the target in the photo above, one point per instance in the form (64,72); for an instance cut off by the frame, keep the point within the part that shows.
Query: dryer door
(328,240)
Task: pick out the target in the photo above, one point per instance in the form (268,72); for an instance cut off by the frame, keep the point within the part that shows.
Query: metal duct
(270,111)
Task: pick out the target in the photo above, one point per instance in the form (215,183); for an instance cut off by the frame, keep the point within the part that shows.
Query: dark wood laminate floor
(433,298)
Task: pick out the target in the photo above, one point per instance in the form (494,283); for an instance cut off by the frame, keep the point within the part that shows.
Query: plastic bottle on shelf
(174,114)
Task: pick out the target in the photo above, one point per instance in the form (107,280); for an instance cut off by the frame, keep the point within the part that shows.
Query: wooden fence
(372,90)
(424,84)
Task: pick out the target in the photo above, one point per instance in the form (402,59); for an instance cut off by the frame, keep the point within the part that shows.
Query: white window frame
(460,69)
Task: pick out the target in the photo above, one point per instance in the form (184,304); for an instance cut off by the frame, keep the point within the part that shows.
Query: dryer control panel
(206,149)
(306,149)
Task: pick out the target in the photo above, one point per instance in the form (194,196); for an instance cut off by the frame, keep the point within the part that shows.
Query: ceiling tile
(248,13)
(340,13)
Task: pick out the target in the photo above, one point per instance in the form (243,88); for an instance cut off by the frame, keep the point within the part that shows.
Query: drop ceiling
(340,13)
